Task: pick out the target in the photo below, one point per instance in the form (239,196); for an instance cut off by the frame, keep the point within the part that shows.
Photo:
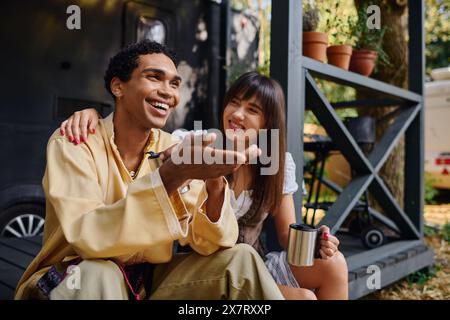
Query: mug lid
(303,227)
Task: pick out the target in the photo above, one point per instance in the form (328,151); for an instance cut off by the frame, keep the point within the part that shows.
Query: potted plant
(368,48)
(314,43)
(338,25)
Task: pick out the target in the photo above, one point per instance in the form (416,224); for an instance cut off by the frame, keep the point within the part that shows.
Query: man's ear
(116,87)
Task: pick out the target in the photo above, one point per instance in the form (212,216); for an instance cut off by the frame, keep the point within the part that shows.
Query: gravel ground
(436,284)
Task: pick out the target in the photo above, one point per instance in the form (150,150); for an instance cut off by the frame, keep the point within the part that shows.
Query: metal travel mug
(304,245)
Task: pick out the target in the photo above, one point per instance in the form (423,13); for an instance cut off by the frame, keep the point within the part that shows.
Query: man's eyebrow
(161,72)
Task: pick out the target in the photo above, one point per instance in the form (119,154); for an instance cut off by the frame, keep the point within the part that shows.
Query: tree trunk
(393,15)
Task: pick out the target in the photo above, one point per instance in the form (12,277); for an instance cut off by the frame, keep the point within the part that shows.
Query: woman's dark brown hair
(267,189)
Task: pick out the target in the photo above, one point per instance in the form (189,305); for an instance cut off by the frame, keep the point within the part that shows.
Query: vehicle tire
(22,220)
(372,237)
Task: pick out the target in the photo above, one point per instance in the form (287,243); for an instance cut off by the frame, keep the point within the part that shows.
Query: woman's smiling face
(242,119)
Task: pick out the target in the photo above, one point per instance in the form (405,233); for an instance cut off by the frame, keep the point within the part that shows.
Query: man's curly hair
(126,60)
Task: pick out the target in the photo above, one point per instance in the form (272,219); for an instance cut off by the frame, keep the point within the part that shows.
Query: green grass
(440,231)
(422,276)
(445,232)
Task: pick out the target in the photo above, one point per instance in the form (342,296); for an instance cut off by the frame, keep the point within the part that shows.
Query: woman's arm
(79,125)
(284,216)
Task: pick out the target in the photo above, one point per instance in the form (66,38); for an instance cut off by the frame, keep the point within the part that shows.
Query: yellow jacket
(94,209)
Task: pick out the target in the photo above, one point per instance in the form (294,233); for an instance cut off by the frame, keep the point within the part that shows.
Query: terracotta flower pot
(339,56)
(315,45)
(363,62)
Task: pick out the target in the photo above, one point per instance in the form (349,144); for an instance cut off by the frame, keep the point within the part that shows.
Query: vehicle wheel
(372,237)
(22,220)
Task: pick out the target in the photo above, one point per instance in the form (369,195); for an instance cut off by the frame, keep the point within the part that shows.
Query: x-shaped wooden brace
(367,168)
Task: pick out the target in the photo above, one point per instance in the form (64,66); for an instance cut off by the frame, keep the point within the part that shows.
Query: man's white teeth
(161,105)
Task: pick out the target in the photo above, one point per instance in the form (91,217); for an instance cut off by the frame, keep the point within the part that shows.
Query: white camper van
(437,128)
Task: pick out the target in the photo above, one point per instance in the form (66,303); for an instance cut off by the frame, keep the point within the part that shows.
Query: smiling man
(113,214)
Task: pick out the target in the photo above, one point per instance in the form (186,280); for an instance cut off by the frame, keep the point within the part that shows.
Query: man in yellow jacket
(113,214)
